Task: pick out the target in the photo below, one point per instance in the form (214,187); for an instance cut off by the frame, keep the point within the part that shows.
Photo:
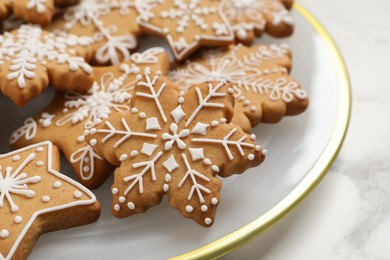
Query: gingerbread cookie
(250,18)
(187,24)
(64,120)
(35,198)
(174,143)
(263,89)
(111,23)
(32,58)
(32,11)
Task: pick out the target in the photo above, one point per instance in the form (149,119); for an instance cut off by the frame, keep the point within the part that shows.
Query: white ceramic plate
(295,145)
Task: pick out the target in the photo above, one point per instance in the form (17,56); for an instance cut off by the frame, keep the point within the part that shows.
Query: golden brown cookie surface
(186,24)
(63,122)
(174,143)
(263,89)
(35,198)
(32,58)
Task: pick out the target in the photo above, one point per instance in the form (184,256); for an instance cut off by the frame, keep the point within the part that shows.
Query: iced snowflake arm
(199,187)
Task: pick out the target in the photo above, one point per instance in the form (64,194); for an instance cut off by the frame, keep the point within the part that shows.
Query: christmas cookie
(35,198)
(32,11)
(263,89)
(63,122)
(111,23)
(187,24)
(31,59)
(250,18)
(174,143)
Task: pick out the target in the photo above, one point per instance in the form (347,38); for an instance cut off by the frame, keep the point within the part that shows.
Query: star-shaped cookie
(174,143)
(187,24)
(31,59)
(111,23)
(35,198)
(63,122)
(32,11)
(263,89)
(250,18)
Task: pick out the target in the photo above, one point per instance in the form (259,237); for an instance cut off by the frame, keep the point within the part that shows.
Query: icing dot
(189,208)
(204,208)
(122,199)
(214,201)
(207,161)
(253,108)
(18,219)
(86,132)
(86,160)
(168,177)
(65,110)
(57,184)
(117,207)
(39,149)
(134,110)
(39,163)
(253,136)
(92,131)
(77,194)
(207,221)
(4,233)
(230,91)
(93,142)
(114,191)
(251,157)
(166,187)
(16,158)
(246,102)
(181,100)
(142,115)
(131,205)
(182,93)
(258,147)
(264,152)
(223,120)
(86,169)
(123,157)
(134,153)
(214,123)
(215,168)
(81,138)
(45,198)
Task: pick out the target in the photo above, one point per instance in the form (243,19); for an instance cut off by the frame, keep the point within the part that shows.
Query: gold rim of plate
(254,229)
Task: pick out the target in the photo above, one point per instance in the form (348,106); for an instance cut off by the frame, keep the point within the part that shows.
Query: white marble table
(348,215)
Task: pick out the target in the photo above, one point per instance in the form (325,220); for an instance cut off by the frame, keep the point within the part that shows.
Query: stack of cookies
(160,125)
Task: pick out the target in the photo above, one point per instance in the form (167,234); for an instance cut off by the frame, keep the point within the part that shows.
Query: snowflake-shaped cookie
(64,120)
(250,18)
(32,11)
(35,198)
(174,143)
(111,23)
(263,89)
(31,59)
(187,24)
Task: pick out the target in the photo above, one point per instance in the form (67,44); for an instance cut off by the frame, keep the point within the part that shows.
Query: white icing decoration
(171,165)
(117,207)
(208,221)
(46,119)
(175,137)
(57,184)
(46,198)
(178,114)
(4,233)
(38,5)
(204,208)
(16,158)
(131,205)
(16,182)
(30,47)
(28,131)
(148,149)
(186,15)
(165,187)
(193,174)
(77,194)
(122,199)
(225,142)
(168,177)
(24,181)
(189,208)
(152,124)
(200,128)
(123,157)
(214,201)
(196,154)
(114,191)
(39,163)
(82,156)
(18,219)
